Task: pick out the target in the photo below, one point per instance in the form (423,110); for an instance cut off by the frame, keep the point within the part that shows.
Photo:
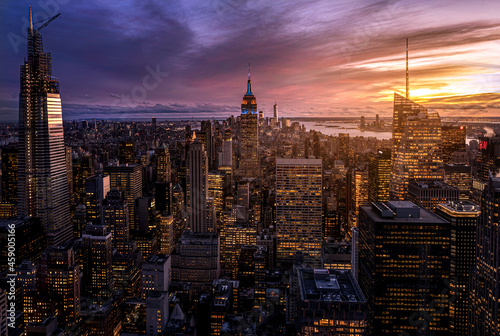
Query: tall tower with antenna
(249,164)
(417,143)
(42,185)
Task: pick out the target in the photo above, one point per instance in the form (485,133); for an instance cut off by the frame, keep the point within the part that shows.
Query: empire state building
(249,132)
(43,185)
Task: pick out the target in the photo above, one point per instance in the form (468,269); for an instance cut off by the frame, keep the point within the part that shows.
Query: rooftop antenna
(248,70)
(407,75)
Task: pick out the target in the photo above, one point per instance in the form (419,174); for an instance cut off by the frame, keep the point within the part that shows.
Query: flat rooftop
(329,285)
(424,215)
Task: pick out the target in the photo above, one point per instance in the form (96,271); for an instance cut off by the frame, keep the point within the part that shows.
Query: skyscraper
(404,253)
(249,134)
(484,299)
(197,185)
(463,218)
(299,209)
(453,141)
(417,143)
(43,181)
(98,255)
(417,146)
(379,176)
(128,179)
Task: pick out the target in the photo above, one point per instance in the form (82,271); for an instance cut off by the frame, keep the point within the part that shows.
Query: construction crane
(47,21)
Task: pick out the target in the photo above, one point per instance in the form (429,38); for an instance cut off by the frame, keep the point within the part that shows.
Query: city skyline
(346,61)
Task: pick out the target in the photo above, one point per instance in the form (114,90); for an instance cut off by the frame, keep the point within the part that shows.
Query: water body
(350,128)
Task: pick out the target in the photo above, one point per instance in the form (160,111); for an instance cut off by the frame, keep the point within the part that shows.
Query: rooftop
(462,208)
(329,285)
(380,212)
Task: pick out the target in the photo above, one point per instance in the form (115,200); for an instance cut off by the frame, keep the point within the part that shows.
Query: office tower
(404,253)
(103,319)
(275,110)
(267,239)
(163,166)
(344,150)
(156,274)
(116,219)
(146,216)
(207,137)
(417,146)
(9,174)
(166,234)
(69,170)
(233,237)
(196,259)
(355,252)
(216,191)
(249,164)
(98,251)
(336,255)
(128,179)
(178,206)
(197,176)
(127,152)
(489,158)
(379,176)
(30,240)
(463,217)
(243,194)
(428,194)
(43,181)
(329,302)
(163,187)
(221,305)
(126,266)
(58,276)
(459,176)
(83,168)
(156,313)
(453,141)
(299,209)
(359,194)
(96,189)
(226,158)
(153,126)
(484,299)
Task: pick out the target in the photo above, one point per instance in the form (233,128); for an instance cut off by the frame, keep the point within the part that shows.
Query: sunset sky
(316,58)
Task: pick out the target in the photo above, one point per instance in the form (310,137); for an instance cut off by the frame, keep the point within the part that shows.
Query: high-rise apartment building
(43,181)
(249,134)
(299,209)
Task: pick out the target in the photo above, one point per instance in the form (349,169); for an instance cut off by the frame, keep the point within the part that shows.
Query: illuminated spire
(249,85)
(407,75)
(31,22)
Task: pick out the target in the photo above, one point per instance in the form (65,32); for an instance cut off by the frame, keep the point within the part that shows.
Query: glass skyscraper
(43,181)
(417,146)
